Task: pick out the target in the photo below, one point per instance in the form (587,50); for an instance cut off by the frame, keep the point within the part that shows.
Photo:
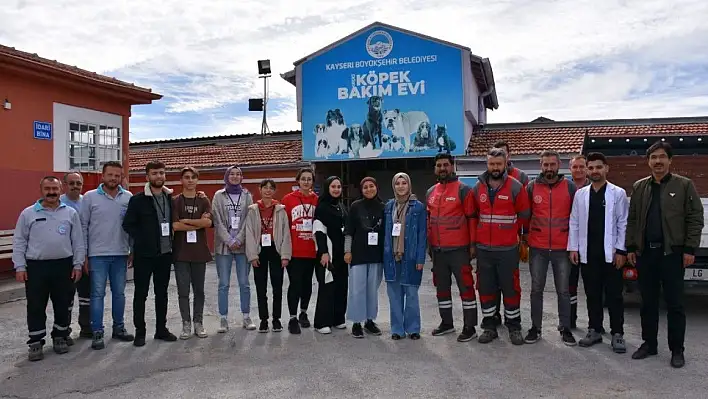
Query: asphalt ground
(248,364)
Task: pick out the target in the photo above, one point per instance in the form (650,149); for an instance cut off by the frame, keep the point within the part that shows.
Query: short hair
(579,156)
(660,145)
(502,143)
(597,156)
(444,155)
(266,182)
(306,169)
(191,169)
(112,164)
(496,152)
(72,172)
(551,153)
(48,178)
(152,165)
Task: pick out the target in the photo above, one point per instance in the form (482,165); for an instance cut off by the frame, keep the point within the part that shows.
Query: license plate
(696,274)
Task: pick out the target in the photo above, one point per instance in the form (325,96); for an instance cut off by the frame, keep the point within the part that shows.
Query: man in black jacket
(663,231)
(148,221)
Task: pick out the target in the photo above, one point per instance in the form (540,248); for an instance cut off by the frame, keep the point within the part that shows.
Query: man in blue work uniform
(48,251)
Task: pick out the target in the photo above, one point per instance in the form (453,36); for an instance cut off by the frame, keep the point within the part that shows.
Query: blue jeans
(405,308)
(223,272)
(102,268)
(364,282)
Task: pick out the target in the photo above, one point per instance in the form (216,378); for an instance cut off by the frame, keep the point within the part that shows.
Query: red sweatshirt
(301,212)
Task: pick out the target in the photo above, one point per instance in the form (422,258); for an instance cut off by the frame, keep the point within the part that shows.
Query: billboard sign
(383,94)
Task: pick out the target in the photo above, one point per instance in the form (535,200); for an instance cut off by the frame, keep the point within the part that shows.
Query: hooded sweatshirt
(301,213)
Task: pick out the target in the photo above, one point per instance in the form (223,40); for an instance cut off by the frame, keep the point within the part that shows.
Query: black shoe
(415,336)
(121,334)
(677,359)
(357,331)
(86,334)
(139,338)
(372,328)
(304,321)
(165,335)
(396,337)
(443,329)
(568,338)
(60,346)
(644,352)
(263,327)
(533,336)
(467,334)
(515,337)
(70,341)
(294,326)
(488,336)
(277,327)
(97,343)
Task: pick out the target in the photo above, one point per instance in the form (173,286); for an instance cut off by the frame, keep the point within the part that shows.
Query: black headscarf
(325,196)
(331,213)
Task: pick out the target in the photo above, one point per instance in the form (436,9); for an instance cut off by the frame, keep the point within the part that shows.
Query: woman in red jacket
(300,206)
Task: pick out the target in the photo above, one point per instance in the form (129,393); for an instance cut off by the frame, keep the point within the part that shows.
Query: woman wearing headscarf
(331,272)
(405,243)
(363,247)
(229,207)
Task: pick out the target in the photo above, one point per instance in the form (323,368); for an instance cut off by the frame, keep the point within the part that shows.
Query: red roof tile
(251,153)
(687,129)
(34,58)
(529,141)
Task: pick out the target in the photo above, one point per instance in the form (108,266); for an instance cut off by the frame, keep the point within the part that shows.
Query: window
(91,146)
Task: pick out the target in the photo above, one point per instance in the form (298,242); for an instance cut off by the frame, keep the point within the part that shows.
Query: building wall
(625,170)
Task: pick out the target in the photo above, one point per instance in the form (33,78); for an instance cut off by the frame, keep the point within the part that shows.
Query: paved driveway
(252,365)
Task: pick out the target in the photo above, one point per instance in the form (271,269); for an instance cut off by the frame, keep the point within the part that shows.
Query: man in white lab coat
(598,222)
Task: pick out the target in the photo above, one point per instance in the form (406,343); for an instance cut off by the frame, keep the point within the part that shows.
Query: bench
(6,243)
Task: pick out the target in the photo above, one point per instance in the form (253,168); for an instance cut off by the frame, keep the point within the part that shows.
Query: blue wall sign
(383,94)
(42,130)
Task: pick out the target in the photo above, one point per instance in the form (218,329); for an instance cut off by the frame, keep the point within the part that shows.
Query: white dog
(403,124)
(322,145)
(334,129)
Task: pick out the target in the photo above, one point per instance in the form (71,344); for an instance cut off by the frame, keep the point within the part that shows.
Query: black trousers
(159,269)
(331,306)
(573,291)
(600,277)
(83,289)
(300,272)
(657,271)
(48,279)
(269,260)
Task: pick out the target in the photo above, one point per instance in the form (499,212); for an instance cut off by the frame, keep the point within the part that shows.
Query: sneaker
(516,338)
(139,338)
(488,336)
(372,328)
(248,324)
(60,346)
(396,337)
(324,330)
(415,336)
(223,326)
(121,334)
(186,330)
(35,352)
(618,345)
(165,335)
(591,338)
(304,321)
(277,327)
(443,329)
(467,334)
(533,336)
(263,328)
(342,326)
(677,359)
(199,330)
(294,326)
(357,331)
(70,341)
(567,337)
(97,342)
(644,352)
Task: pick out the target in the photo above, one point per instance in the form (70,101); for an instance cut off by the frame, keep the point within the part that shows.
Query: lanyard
(238,201)
(399,212)
(306,209)
(161,207)
(264,224)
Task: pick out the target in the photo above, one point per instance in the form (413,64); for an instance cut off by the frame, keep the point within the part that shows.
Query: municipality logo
(63,227)
(379,44)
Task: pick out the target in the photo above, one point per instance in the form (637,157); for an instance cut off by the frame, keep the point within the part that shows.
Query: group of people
(581,225)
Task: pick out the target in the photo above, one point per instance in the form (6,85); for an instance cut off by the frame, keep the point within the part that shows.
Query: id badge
(165,229)
(396,231)
(307,224)
(192,236)
(235,222)
(373,238)
(266,240)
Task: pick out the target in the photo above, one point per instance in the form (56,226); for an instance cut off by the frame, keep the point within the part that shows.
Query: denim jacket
(415,244)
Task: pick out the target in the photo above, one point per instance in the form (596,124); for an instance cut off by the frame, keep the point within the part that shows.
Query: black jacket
(142,225)
(365,215)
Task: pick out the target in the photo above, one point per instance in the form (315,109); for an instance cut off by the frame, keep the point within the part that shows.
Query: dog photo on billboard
(444,142)
(322,144)
(403,124)
(334,130)
(374,119)
(423,139)
(355,139)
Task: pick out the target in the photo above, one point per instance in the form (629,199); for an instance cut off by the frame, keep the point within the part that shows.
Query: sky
(565,60)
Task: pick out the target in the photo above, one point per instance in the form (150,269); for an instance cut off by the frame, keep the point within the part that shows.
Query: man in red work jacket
(450,210)
(551,199)
(501,213)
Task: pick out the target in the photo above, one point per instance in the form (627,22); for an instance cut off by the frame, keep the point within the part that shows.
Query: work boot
(139,338)
(618,345)
(186,330)
(488,336)
(644,351)
(70,341)
(516,337)
(122,334)
(60,346)
(97,343)
(35,352)
(677,359)
(591,338)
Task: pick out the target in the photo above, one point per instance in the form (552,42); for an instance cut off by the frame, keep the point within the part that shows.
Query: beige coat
(281,233)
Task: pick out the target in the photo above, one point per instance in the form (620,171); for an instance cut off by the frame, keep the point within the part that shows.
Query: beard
(496,175)
(157,184)
(550,174)
(595,177)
